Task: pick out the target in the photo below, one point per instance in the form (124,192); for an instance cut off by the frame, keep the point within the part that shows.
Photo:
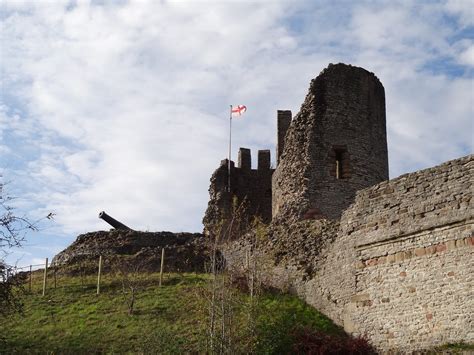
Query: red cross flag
(238,110)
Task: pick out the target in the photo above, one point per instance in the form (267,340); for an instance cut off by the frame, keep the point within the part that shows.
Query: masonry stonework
(335,146)
(283,123)
(398,267)
(401,268)
(250,192)
(389,259)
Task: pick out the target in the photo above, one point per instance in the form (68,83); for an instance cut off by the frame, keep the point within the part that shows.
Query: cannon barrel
(112,221)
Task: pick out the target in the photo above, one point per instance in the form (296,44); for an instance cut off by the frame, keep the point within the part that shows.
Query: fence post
(162,264)
(45,276)
(54,275)
(98,274)
(30,277)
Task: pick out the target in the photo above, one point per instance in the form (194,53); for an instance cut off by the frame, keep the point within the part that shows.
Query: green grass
(456,348)
(168,319)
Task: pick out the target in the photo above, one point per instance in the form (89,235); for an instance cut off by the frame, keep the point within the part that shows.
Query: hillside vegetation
(173,318)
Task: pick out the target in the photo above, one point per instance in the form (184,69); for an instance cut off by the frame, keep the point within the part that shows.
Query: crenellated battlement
(250,190)
(283,124)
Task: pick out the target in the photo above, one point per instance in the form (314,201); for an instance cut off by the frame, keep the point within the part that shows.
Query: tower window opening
(338,164)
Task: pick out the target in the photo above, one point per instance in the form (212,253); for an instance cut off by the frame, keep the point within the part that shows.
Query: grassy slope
(170,319)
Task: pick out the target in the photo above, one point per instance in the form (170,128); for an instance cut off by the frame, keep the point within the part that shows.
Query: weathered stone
(403,230)
(361,297)
(451,244)
(249,196)
(420,251)
(391,258)
(334,146)
(399,256)
(440,248)
(184,251)
(460,243)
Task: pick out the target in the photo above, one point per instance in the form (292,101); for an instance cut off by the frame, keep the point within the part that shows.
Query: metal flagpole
(230,149)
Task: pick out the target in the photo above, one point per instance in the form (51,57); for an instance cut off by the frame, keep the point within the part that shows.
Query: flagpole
(230,148)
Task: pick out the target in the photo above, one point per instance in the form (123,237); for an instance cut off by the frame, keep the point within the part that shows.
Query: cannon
(113,222)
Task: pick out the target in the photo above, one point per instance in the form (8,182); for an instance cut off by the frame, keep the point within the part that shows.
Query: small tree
(222,296)
(130,273)
(13,229)
(10,290)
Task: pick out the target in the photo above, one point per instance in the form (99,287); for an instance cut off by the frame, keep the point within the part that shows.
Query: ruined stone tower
(335,146)
(249,196)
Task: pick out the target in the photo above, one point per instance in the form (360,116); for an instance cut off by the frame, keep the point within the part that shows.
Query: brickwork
(335,146)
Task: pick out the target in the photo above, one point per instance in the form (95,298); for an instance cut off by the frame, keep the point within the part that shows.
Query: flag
(238,110)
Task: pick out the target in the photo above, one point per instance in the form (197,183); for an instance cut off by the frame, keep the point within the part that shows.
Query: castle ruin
(335,146)
(388,259)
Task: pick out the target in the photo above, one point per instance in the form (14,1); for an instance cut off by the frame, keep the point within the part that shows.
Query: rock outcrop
(184,251)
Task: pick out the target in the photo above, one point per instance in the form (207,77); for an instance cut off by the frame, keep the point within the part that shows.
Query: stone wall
(401,269)
(250,192)
(419,295)
(335,146)
(398,267)
(392,260)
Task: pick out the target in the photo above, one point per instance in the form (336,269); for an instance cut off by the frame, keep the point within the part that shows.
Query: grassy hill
(174,318)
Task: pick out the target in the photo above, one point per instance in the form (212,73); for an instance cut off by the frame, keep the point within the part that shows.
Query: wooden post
(45,276)
(98,274)
(31,281)
(162,264)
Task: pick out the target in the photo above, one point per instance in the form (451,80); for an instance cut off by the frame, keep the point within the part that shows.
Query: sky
(123,106)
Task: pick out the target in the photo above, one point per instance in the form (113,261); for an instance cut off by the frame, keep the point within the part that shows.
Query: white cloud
(463,9)
(467,56)
(123,107)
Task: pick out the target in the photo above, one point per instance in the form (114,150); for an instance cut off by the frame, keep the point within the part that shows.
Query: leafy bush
(309,341)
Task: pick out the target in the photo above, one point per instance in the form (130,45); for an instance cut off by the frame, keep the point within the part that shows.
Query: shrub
(308,341)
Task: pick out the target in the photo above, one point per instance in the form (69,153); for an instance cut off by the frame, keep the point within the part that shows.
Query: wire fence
(90,274)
